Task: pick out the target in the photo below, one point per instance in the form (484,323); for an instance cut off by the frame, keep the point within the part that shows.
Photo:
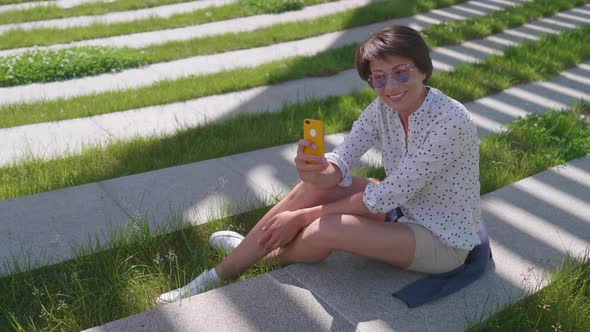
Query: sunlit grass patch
(533,144)
(56,65)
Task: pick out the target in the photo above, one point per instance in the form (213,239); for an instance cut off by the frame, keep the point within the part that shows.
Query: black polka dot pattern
(434,179)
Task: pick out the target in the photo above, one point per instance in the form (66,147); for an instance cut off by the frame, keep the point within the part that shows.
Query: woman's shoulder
(373,110)
(376,105)
(447,106)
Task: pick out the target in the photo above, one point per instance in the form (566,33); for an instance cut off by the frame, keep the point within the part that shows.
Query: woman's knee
(307,193)
(320,232)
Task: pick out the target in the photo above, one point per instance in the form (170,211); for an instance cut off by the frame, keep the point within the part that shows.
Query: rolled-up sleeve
(362,137)
(444,145)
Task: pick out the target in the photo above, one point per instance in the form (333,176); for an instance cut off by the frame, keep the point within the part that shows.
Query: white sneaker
(200,284)
(225,241)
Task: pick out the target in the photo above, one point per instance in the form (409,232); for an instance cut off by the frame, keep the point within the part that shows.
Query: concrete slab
(271,302)
(42,228)
(160,120)
(361,290)
(194,193)
(128,79)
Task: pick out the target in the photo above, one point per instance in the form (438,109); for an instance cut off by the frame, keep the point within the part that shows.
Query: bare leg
(393,243)
(302,196)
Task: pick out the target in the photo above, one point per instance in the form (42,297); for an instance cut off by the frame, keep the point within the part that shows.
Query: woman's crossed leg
(366,235)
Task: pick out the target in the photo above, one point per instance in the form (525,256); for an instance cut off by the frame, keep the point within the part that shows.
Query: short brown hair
(396,40)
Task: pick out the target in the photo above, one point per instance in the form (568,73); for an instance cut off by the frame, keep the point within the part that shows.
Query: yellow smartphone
(313,130)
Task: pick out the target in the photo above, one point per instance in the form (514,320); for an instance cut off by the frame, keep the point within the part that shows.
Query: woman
(431,159)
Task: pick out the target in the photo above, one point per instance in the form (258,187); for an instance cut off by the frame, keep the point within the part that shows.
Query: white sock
(213,275)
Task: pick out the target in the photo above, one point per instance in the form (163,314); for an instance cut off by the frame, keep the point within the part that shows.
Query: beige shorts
(431,255)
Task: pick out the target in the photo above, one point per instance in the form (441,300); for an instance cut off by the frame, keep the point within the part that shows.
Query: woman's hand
(309,172)
(280,230)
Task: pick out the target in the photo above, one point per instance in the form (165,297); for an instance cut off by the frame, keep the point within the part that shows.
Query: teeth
(396,96)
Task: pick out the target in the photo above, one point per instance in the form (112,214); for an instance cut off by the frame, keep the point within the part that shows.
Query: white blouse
(434,179)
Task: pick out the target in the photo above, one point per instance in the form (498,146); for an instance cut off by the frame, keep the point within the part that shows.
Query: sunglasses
(401,74)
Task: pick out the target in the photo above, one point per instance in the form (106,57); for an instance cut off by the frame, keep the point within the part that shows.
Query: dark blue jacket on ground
(436,286)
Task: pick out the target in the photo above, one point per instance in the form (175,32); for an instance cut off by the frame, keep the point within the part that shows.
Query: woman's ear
(422,76)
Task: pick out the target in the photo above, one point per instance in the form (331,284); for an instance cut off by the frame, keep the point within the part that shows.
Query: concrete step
(532,224)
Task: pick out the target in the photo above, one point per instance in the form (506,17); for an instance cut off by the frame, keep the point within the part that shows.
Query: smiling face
(402,94)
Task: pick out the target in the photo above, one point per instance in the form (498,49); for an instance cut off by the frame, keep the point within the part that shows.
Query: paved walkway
(52,139)
(531,223)
(138,40)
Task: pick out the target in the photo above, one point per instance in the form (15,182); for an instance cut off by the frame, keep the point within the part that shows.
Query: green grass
(519,64)
(565,51)
(52,65)
(436,35)
(16,38)
(517,154)
(101,286)
(563,305)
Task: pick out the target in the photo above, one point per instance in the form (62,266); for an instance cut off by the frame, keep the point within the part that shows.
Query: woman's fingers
(303,158)
(269,223)
(270,245)
(310,159)
(264,238)
(310,163)
(304,143)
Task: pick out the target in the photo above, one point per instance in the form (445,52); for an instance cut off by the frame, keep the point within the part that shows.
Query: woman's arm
(334,168)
